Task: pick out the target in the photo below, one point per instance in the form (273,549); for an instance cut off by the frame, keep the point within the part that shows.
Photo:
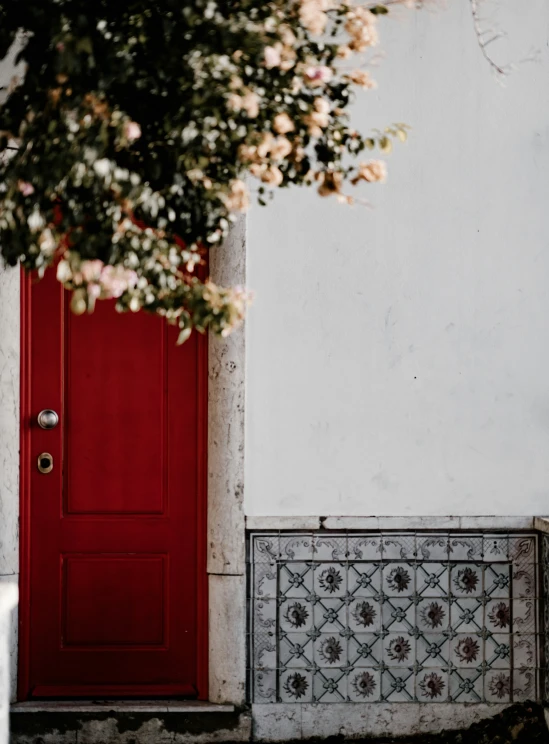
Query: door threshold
(120,706)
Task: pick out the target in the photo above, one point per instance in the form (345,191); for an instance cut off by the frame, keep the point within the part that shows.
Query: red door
(112,537)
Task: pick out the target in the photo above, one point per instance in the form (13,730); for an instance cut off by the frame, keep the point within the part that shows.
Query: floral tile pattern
(396,617)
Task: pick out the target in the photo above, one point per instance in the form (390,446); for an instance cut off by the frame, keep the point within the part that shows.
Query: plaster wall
(396,356)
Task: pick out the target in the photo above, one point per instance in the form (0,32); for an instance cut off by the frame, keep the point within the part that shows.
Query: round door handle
(47,419)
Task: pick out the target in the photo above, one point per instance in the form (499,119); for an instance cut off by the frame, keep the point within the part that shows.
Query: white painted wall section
(397,357)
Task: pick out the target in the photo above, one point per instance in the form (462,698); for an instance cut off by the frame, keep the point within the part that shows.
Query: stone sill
(397,523)
(120,706)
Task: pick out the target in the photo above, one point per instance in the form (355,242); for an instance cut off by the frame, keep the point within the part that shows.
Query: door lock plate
(45,462)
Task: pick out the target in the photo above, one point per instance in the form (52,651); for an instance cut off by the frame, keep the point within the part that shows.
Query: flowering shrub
(138,130)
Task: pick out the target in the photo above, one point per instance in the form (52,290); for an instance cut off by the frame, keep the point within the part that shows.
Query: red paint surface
(112,543)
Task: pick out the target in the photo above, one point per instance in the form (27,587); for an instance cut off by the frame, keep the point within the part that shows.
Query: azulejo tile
(497,580)
(265,686)
(467,615)
(432,685)
(433,650)
(495,548)
(497,616)
(365,649)
(466,686)
(433,614)
(466,650)
(329,548)
(364,579)
(265,548)
(525,612)
(399,649)
(296,614)
(433,548)
(395,617)
(398,614)
(463,547)
(264,617)
(330,580)
(398,579)
(296,650)
(432,580)
(265,580)
(330,650)
(364,547)
(399,547)
(497,686)
(330,615)
(364,615)
(524,651)
(497,651)
(398,686)
(296,579)
(330,686)
(364,685)
(466,580)
(524,580)
(522,549)
(296,686)
(525,681)
(264,648)
(296,547)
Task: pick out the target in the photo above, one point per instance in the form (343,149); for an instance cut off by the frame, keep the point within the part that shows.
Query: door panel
(113,543)
(123,390)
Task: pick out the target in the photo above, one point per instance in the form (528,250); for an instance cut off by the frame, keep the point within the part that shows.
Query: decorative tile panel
(395,617)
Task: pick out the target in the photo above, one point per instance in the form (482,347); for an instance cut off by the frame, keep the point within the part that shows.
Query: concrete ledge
(290,721)
(120,706)
(196,725)
(391,523)
(541,524)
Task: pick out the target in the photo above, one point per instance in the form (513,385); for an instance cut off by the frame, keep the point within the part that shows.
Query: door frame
(25,537)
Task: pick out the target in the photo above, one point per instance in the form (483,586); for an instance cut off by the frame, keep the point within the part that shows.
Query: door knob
(47,419)
(45,462)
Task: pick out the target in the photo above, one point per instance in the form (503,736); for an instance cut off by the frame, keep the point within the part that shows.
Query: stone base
(128,723)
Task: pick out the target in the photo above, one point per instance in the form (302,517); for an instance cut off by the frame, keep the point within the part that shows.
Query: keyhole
(45,462)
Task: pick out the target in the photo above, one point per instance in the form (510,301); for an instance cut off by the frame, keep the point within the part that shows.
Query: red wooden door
(112,543)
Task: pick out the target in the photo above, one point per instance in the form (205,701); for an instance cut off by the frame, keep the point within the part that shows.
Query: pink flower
(272,57)
(25,188)
(91,270)
(322,74)
(132,130)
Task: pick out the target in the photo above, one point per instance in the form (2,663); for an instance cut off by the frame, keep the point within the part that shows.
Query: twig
(484,42)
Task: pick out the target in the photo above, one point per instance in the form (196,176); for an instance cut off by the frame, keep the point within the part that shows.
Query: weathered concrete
(226,536)
(226,528)
(227,629)
(119,727)
(286,722)
(282,522)
(8,600)
(9,443)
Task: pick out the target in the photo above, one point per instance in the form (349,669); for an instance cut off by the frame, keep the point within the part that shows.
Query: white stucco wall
(397,358)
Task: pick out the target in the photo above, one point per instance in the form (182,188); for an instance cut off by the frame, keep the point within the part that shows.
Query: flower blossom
(282,124)
(312,14)
(373,171)
(272,57)
(361,25)
(321,74)
(25,188)
(132,130)
(362,79)
(238,199)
